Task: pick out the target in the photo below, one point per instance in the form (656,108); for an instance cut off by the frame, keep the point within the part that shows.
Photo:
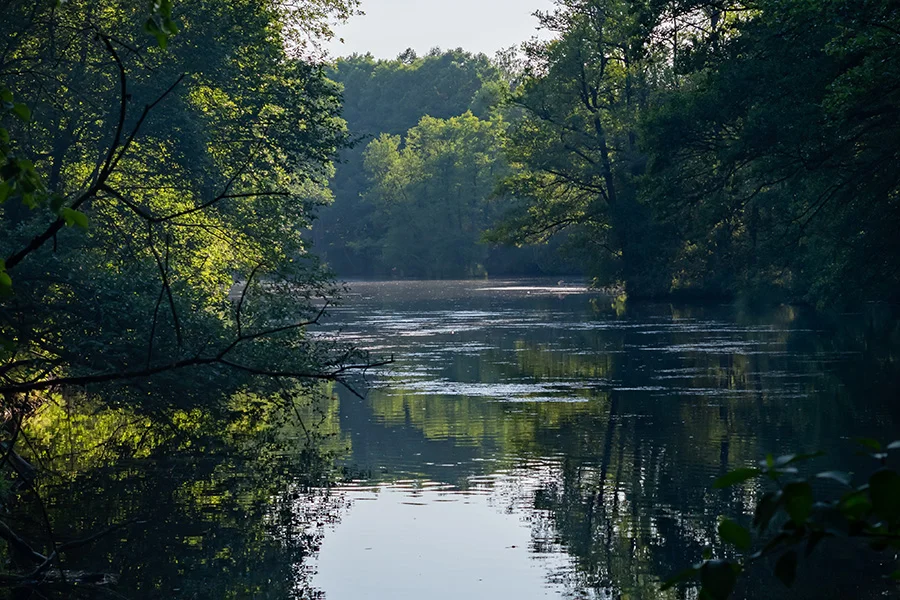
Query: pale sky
(391,26)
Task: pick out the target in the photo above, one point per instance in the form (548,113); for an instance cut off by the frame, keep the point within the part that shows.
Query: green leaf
(798,501)
(734,477)
(869,443)
(4,191)
(734,534)
(884,490)
(718,578)
(153,28)
(22,111)
(786,568)
(895,575)
(74,217)
(766,508)
(5,279)
(855,505)
(839,476)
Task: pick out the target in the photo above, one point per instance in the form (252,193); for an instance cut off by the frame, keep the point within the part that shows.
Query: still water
(535,440)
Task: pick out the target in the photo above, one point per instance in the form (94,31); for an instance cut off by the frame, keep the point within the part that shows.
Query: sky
(391,26)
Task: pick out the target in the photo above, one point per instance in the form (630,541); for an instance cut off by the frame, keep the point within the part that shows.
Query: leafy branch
(868,513)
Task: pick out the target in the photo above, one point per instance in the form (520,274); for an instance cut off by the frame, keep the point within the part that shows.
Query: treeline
(415,194)
(713,149)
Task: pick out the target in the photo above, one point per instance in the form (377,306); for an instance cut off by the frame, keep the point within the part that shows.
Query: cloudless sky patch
(391,26)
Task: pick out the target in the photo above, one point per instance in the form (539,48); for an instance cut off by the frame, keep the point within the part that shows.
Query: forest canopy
(158,169)
(706,149)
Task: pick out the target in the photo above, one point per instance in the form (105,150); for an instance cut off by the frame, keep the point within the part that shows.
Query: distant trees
(439,113)
(432,195)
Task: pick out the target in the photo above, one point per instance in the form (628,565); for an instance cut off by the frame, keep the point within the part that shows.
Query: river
(535,439)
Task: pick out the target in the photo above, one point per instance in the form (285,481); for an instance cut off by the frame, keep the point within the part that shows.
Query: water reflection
(606,425)
(532,441)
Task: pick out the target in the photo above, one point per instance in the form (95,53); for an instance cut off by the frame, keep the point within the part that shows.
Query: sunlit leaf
(74,217)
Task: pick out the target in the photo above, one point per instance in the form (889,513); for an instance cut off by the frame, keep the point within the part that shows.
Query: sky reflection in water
(584,433)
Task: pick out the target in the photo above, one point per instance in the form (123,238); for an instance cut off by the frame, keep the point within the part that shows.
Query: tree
(771,158)
(445,173)
(140,180)
(390,97)
(577,141)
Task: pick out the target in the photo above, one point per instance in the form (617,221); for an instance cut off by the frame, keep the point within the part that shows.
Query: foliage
(214,178)
(795,518)
(716,149)
(445,173)
(159,169)
(409,99)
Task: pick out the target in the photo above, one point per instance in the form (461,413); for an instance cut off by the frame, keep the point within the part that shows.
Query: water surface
(538,440)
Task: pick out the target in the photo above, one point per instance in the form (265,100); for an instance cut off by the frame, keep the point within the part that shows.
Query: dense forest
(697,148)
(416,192)
(184,185)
